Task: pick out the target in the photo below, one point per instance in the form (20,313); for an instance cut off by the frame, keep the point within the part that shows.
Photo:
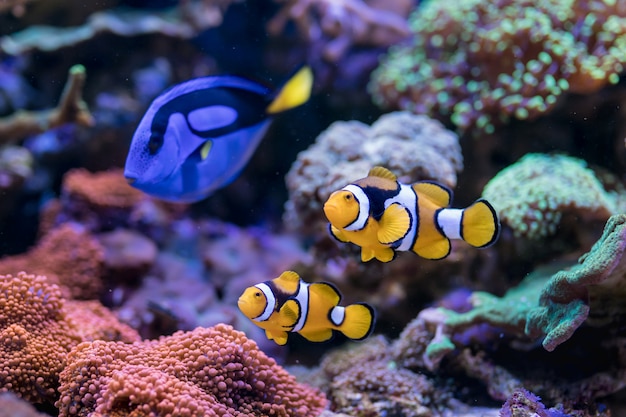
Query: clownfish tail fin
(294,93)
(358,320)
(480,226)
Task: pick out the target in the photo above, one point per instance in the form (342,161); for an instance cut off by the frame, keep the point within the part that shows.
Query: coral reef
(413,147)
(212,372)
(480,64)
(548,305)
(182,22)
(344,24)
(69,256)
(38,329)
(534,194)
(71,109)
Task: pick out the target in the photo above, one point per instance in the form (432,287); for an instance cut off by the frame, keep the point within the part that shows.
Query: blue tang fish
(197,136)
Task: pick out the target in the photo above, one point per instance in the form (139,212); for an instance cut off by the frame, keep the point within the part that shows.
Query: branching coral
(534,194)
(344,23)
(480,63)
(414,147)
(206,372)
(71,109)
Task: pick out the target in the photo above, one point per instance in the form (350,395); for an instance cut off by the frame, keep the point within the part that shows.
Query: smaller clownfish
(287,304)
(382,216)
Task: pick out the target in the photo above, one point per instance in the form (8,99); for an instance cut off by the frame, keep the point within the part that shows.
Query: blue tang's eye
(155,143)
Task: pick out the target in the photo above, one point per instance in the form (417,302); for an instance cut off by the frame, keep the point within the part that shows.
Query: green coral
(480,63)
(552,303)
(532,195)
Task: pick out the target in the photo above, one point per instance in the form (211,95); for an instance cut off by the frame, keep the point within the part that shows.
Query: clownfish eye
(155,143)
(257,294)
(348,197)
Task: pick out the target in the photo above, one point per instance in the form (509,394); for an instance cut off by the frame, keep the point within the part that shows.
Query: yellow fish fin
(317,335)
(206,148)
(289,314)
(358,322)
(338,234)
(383,254)
(438,248)
(326,291)
(295,92)
(394,224)
(437,193)
(480,226)
(287,282)
(382,172)
(277,336)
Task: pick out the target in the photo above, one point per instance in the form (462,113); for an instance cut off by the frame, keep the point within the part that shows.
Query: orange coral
(206,372)
(37,330)
(105,190)
(68,256)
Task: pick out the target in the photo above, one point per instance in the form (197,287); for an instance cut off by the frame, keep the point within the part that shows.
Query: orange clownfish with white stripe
(287,304)
(382,216)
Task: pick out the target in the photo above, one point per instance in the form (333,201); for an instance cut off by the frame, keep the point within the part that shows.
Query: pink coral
(206,372)
(68,256)
(37,330)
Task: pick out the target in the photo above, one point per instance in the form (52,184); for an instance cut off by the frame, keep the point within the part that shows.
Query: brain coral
(532,195)
(412,146)
(479,63)
(206,372)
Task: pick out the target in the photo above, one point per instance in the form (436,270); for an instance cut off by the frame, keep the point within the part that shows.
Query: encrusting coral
(206,372)
(480,64)
(37,331)
(549,304)
(184,22)
(69,256)
(532,195)
(412,146)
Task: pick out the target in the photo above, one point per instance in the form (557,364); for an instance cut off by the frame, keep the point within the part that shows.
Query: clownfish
(382,216)
(197,136)
(287,304)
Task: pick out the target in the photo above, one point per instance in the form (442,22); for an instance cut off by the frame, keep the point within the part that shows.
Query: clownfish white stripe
(337,315)
(450,222)
(364,207)
(302,297)
(270,304)
(406,198)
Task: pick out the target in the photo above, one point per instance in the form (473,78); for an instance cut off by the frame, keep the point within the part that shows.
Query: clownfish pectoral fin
(479,224)
(277,336)
(383,255)
(382,172)
(317,335)
(437,193)
(337,234)
(358,321)
(395,223)
(205,149)
(289,314)
(294,93)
